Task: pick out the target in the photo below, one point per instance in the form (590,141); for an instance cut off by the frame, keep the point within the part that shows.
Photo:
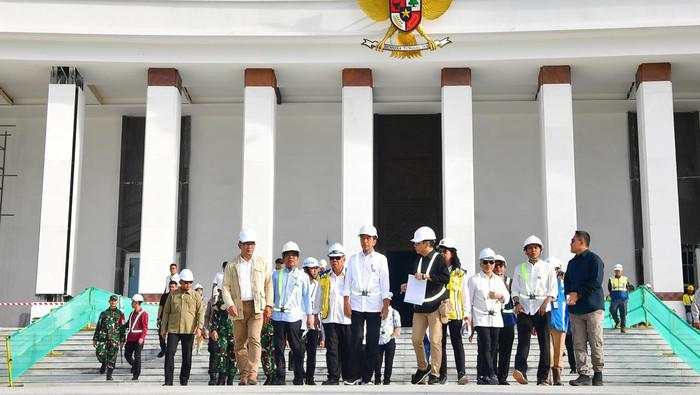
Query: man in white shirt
(534,287)
(390,330)
(169,277)
(336,325)
(366,302)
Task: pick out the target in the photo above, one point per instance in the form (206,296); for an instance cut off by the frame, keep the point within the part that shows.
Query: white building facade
(271,115)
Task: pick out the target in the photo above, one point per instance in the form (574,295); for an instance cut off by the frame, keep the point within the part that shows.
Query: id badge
(555,305)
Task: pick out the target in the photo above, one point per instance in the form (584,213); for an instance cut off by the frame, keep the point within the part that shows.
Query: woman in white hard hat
(314,335)
(507,333)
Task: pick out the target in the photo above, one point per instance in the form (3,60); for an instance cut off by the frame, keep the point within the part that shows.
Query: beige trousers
(558,344)
(588,329)
(246,334)
(421,322)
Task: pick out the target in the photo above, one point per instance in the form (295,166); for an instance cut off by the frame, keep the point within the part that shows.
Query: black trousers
(338,346)
(213,348)
(487,349)
(525,324)
(288,332)
(618,311)
(570,350)
(455,327)
(385,352)
(163,343)
(505,347)
(364,358)
(312,337)
(132,354)
(187,341)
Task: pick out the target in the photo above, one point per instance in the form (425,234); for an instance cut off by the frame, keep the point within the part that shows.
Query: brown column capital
(357,77)
(151,298)
(653,72)
(554,75)
(456,76)
(669,296)
(164,77)
(260,77)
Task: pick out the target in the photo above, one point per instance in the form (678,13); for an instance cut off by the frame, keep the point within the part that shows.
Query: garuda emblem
(406,17)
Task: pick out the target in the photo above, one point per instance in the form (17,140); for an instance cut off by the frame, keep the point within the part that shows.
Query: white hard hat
(186,275)
(218,279)
(500,258)
(448,243)
(336,249)
(533,240)
(368,230)
(617,267)
(175,277)
(323,263)
(246,235)
(290,246)
(554,262)
(487,254)
(422,234)
(310,262)
(198,286)
(137,298)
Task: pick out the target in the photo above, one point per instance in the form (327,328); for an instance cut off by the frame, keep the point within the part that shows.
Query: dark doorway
(408,191)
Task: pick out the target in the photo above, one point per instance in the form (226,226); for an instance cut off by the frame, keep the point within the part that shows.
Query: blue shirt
(559,317)
(584,275)
(291,295)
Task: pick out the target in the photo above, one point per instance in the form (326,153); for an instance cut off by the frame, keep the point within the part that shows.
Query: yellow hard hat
(691,288)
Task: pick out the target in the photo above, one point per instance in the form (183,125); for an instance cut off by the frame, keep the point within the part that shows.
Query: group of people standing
(256,312)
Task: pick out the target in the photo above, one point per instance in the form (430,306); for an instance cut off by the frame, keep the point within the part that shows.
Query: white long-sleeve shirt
(485,311)
(532,283)
(367,282)
(336,315)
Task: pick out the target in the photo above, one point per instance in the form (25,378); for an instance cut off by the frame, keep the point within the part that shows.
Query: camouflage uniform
(109,334)
(225,358)
(268,363)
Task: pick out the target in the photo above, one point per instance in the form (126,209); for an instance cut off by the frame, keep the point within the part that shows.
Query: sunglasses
(186,282)
(488,262)
(334,258)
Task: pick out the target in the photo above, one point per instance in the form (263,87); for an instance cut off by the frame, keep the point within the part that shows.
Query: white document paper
(415,290)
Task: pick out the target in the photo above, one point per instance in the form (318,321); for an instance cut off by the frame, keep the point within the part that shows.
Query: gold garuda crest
(406,17)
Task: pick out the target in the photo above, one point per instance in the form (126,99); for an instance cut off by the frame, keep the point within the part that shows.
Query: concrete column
(658,179)
(258,200)
(557,131)
(357,147)
(161,165)
(458,163)
(60,198)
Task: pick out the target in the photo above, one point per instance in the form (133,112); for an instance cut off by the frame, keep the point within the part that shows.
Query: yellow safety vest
(619,284)
(325,283)
(456,296)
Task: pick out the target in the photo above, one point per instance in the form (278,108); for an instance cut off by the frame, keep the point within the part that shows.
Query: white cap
(186,275)
(290,246)
(336,249)
(218,279)
(487,254)
(422,234)
(246,235)
(500,258)
(198,286)
(448,243)
(533,240)
(554,262)
(310,262)
(175,277)
(617,267)
(137,298)
(323,263)
(368,230)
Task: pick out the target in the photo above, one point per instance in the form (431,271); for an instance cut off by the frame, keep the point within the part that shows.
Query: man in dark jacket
(583,285)
(430,267)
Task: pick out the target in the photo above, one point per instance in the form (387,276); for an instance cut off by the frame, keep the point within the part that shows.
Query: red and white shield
(405,14)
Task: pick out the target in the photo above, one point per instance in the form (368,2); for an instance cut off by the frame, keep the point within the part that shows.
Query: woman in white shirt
(486,295)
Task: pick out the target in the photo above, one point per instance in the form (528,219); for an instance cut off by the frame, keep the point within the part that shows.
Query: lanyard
(282,287)
(430,264)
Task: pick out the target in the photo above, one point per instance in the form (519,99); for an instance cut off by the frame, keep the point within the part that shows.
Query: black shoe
(183,383)
(135,378)
(543,382)
(109,374)
(331,382)
(493,380)
(377,382)
(221,380)
(168,385)
(581,380)
(432,379)
(229,381)
(103,368)
(503,382)
(420,376)
(597,379)
(386,382)
(310,382)
(298,381)
(572,371)
(212,379)
(161,354)
(109,377)
(442,380)
(481,380)
(278,381)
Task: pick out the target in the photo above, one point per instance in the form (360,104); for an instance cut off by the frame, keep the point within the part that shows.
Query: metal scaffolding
(4,134)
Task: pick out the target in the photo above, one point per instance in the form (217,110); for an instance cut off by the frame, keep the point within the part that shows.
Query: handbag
(444,310)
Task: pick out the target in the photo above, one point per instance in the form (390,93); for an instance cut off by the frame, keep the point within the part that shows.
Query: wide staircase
(640,357)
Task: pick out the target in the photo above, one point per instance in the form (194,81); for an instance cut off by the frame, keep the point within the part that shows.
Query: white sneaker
(354,382)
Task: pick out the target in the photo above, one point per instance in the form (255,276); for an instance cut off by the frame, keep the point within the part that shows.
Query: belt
(365,293)
(532,297)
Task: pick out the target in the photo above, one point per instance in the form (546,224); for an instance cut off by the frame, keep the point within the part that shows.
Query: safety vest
(325,283)
(536,293)
(457,277)
(619,284)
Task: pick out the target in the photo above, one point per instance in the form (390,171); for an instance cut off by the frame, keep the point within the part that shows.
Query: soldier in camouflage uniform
(268,363)
(221,333)
(110,334)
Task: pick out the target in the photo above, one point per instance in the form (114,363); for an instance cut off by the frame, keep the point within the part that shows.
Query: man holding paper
(432,276)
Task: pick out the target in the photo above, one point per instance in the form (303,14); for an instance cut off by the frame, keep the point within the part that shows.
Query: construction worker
(688,300)
(458,313)
(313,335)
(534,288)
(291,305)
(109,336)
(336,325)
(137,329)
(183,319)
(618,288)
(507,333)
(172,286)
(221,333)
(558,321)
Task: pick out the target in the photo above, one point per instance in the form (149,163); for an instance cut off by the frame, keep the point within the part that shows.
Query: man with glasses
(247,294)
(583,285)
(534,287)
(507,333)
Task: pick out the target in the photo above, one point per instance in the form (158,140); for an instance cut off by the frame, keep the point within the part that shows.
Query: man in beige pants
(247,292)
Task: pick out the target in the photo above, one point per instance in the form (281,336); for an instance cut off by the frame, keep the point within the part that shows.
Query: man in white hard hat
(183,319)
(291,305)
(366,302)
(534,288)
(431,268)
(336,324)
(247,293)
(618,289)
(136,331)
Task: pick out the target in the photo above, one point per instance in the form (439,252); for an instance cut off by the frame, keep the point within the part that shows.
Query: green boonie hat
(114,297)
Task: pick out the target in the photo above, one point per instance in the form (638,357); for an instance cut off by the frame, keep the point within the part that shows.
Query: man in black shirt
(172,286)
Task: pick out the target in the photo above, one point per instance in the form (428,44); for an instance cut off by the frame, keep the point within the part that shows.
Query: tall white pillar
(60,197)
(258,199)
(458,163)
(357,142)
(161,166)
(557,131)
(658,179)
